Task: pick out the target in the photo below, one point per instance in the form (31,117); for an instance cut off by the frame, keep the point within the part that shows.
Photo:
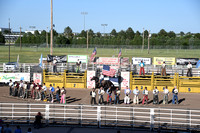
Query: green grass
(32,55)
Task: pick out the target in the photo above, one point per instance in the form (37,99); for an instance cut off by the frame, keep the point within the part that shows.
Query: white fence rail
(102,116)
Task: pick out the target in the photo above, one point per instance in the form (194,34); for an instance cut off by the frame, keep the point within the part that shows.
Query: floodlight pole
(9,38)
(148,40)
(47,37)
(84,13)
(87,41)
(20,39)
(51,51)
(104,25)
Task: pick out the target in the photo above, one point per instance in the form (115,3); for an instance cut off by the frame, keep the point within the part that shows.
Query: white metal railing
(102,116)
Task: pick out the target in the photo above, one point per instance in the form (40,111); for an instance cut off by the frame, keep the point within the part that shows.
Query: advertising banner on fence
(185,61)
(90,84)
(137,60)
(59,59)
(107,60)
(74,58)
(37,78)
(168,60)
(5,77)
(125,79)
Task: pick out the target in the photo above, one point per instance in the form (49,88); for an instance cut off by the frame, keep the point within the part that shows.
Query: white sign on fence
(37,78)
(137,60)
(74,58)
(90,75)
(125,82)
(5,77)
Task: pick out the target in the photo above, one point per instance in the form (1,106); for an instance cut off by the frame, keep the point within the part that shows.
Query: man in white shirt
(101,78)
(166,94)
(189,72)
(136,93)
(21,85)
(163,73)
(155,96)
(54,65)
(127,93)
(93,96)
(101,92)
(78,63)
(11,85)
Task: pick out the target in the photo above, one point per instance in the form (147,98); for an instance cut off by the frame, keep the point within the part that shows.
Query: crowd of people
(38,92)
(136,92)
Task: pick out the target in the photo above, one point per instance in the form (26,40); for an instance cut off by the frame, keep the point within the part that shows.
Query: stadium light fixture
(84,13)
(104,25)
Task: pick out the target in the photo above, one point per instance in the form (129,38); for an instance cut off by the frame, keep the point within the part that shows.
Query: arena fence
(183,83)
(102,116)
(65,79)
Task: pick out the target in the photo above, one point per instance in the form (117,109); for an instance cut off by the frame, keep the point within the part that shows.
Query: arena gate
(75,80)
(184,84)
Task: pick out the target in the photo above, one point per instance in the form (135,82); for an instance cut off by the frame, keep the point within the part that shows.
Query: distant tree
(171,34)
(90,33)
(68,32)
(98,34)
(36,33)
(83,34)
(182,33)
(2,39)
(122,34)
(55,33)
(114,33)
(43,33)
(29,34)
(7,31)
(197,35)
(130,33)
(137,33)
(146,33)
(162,32)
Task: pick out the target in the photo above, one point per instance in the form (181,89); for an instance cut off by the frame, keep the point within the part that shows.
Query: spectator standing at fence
(166,94)
(16,88)
(18,130)
(145,96)
(25,90)
(20,92)
(51,92)
(44,92)
(54,65)
(38,120)
(78,64)
(33,85)
(93,96)
(175,96)
(63,95)
(38,94)
(101,92)
(155,96)
(58,94)
(136,95)
(127,93)
(109,95)
(142,67)
(189,72)
(117,95)
(11,85)
(7,129)
(163,72)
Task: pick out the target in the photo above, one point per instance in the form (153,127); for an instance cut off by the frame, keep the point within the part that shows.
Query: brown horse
(105,83)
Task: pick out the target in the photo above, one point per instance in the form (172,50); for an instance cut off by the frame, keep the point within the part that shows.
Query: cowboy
(175,96)
(127,93)
(166,94)
(117,94)
(136,93)
(101,78)
(145,95)
(93,96)
(189,72)
(142,67)
(155,96)
(163,73)
(101,92)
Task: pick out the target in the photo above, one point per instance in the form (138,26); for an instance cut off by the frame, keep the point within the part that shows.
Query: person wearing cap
(136,95)
(44,92)
(155,96)
(175,95)
(189,72)
(163,73)
(142,67)
(145,95)
(58,94)
(166,94)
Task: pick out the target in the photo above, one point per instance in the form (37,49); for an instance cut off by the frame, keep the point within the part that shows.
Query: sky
(153,15)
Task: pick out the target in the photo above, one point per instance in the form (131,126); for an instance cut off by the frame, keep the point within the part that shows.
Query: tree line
(123,37)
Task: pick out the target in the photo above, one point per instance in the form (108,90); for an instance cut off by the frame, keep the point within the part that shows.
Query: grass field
(32,55)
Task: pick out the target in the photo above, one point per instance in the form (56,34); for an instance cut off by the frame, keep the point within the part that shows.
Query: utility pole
(20,39)
(87,41)
(84,13)
(9,38)
(51,51)
(143,40)
(149,35)
(47,37)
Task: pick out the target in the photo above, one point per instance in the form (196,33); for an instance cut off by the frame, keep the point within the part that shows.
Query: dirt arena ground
(81,96)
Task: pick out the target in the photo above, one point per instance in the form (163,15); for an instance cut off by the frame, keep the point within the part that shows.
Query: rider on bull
(101,78)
